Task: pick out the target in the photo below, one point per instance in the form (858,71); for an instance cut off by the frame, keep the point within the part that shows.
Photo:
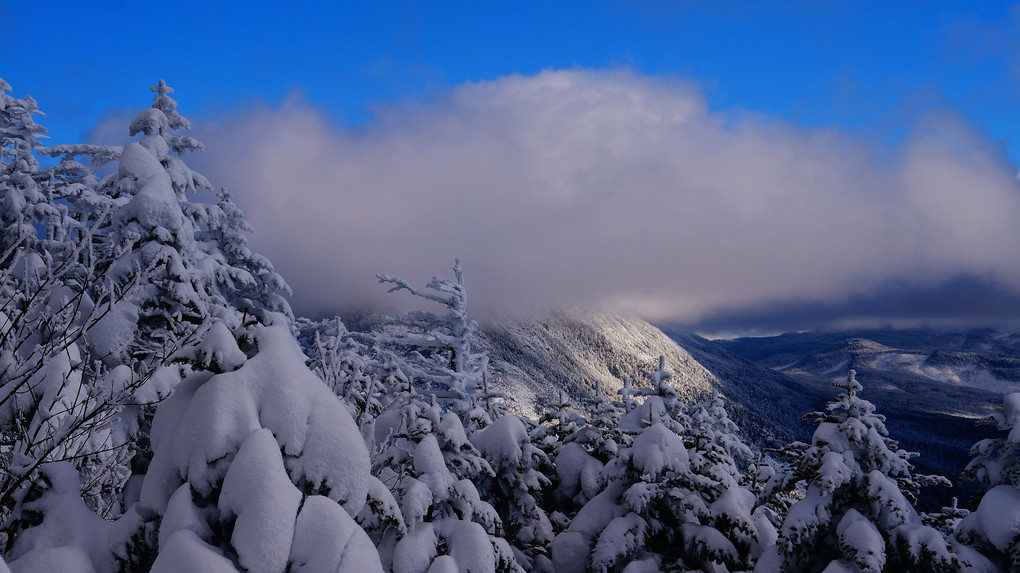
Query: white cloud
(607,188)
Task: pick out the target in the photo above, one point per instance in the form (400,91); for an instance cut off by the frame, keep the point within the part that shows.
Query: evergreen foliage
(857,510)
(993,529)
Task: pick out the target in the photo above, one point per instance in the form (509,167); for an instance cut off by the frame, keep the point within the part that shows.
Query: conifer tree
(248,280)
(586,446)
(858,508)
(993,529)
(654,511)
(440,348)
(431,468)
(56,397)
(23,196)
(515,490)
(149,233)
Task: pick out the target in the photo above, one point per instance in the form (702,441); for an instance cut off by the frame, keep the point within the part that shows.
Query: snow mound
(203,424)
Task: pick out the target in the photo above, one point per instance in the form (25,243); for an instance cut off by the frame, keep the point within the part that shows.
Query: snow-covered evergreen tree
(248,280)
(717,451)
(857,512)
(440,347)
(120,277)
(431,468)
(56,397)
(149,232)
(654,511)
(582,448)
(993,528)
(24,201)
(516,489)
(255,468)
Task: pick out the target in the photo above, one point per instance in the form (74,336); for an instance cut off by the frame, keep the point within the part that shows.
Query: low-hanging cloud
(614,190)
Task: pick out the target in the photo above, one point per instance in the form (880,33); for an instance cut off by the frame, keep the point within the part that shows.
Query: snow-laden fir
(161,409)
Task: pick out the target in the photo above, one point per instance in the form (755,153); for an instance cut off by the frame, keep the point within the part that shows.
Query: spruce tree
(857,511)
(440,347)
(655,511)
(431,468)
(516,488)
(23,195)
(993,529)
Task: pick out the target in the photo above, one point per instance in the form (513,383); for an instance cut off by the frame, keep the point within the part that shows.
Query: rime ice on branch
(441,346)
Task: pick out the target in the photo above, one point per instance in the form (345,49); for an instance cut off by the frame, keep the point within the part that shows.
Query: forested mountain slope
(532,360)
(932,385)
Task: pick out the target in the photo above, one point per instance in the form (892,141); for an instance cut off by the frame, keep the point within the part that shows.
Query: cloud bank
(613,190)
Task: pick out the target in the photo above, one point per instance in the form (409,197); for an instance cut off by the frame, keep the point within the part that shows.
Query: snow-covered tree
(57,397)
(431,468)
(101,311)
(717,451)
(582,448)
(993,528)
(346,366)
(23,197)
(148,232)
(654,511)
(996,461)
(562,420)
(516,489)
(247,280)
(857,511)
(440,347)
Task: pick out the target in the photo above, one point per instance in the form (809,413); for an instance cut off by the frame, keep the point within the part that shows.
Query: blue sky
(870,66)
(855,106)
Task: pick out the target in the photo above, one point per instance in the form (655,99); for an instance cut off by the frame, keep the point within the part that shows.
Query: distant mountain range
(933,386)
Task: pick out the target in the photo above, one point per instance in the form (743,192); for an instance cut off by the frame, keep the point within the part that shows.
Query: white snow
(578,472)
(149,121)
(181,513)
(65,559)
(185,552)
(502,440)
(621,537)
(257,490)
(658,449)
(415,552)
(327,540)
(859,538)
(218,351)
(997,518)
(139,164)
(207,418)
